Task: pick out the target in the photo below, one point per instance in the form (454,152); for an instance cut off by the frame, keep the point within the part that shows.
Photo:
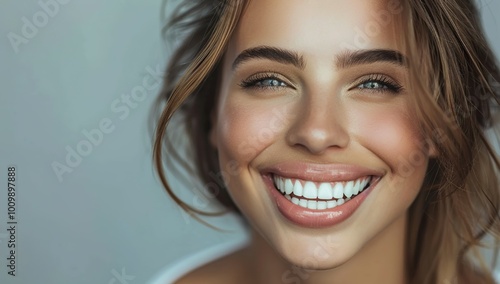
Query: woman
(349,134)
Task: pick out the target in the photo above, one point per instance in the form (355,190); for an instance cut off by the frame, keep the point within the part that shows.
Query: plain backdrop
(78,79)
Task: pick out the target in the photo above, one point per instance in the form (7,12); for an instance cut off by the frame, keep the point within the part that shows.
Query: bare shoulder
(228,269)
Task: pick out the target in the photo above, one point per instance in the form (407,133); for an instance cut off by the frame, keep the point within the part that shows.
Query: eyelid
(393,85)
(260,76)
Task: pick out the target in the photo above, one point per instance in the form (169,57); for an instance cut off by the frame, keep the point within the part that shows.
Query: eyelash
(387,84)
(254,81)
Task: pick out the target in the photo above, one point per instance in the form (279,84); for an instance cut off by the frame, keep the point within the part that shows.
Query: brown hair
(460,200)
(457,79)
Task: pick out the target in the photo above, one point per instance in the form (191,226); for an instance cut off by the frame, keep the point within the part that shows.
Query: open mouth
(320,195)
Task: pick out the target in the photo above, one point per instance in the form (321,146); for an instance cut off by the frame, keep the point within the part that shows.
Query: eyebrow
(344,60)
(272,53)
(358,57)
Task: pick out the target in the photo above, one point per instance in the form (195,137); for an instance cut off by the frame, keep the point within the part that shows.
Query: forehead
(318,27)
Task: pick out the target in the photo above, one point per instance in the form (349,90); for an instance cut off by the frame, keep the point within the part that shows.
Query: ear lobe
(432,151)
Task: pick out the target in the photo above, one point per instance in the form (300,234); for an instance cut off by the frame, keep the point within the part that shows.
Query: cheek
(245,130)
(390,135)
(393,136)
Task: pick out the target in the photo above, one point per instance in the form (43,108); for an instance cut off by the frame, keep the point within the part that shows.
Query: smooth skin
(324,109)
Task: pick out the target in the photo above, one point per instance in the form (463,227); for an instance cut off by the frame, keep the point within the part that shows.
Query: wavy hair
(457,78)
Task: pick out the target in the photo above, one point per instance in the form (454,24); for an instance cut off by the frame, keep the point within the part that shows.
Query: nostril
(316,138)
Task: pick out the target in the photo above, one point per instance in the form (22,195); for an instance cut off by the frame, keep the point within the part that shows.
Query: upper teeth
(321,190)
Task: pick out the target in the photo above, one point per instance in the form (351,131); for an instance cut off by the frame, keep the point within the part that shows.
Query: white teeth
(324,195)
(297,188)
(312,204)
(315,204)
(338,190)
(288,186)
(331,204)
(325,191)
(364,182)
(310,190)
(356,189)
(348,189)
(321,205)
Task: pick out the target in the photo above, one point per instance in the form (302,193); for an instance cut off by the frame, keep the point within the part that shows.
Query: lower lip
(316,218)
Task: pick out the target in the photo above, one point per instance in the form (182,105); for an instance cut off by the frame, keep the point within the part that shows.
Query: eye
(265,81)
(271,82)
(379,83)
(373,85)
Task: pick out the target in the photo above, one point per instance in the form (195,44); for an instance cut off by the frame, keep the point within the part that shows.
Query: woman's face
(314,109)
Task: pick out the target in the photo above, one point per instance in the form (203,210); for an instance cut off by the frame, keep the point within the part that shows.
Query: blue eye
(379,83)
(270,83)
(372,85)
(264,81)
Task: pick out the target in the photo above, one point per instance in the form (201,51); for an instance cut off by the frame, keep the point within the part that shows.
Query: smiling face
(314,107)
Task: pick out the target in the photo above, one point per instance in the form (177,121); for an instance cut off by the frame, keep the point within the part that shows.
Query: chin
(317,250)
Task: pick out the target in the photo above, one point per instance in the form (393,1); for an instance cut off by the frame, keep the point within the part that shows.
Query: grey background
(109,216)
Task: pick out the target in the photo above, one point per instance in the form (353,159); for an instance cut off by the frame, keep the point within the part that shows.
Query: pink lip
(321,172)
(318,218)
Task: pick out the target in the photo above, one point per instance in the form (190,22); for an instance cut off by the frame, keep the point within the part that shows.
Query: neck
(381,260)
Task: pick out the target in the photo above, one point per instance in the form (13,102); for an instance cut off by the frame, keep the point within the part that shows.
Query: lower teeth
(320,204)
(316,204)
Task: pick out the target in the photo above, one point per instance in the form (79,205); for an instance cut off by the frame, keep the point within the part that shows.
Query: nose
(319,126)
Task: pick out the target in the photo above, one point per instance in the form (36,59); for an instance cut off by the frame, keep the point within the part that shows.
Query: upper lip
(321,172)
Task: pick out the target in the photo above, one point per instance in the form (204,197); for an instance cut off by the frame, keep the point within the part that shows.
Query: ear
(432,150)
